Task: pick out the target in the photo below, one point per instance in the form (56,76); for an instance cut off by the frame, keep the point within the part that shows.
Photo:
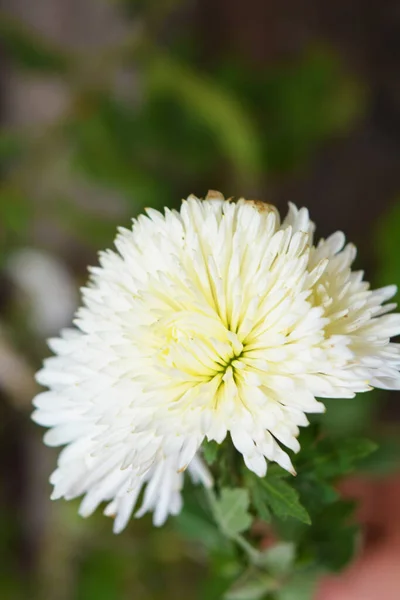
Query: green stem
(252,553)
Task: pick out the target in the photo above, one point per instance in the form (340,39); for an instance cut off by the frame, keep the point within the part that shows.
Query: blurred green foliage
(296,106)
(232,126)
(30,51)
(387,244)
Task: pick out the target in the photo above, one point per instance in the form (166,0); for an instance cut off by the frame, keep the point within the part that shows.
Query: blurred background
(108,106)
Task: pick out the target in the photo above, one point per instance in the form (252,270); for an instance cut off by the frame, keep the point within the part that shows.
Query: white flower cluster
(212,320)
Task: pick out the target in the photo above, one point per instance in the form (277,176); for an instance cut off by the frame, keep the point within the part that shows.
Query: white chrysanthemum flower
(213,320)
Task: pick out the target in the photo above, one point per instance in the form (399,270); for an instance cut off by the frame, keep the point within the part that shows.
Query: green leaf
(110,148)
(194,527)
(333,537)
(279,559)
(252,585)
(99,577)
(231,511)
(12,145)
(195,522)
(220,111)
(15,210)
(28,49)
(386,460)
(275,470)
(258,499)
(301,586)
(337,458)
(387,245)
(297,105)
(210,451)
(284,500)
(351,417)
(86,226)
(315,492)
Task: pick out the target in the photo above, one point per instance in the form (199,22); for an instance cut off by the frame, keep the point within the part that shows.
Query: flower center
(198,348)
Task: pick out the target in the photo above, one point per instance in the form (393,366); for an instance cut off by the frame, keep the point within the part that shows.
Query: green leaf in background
(386,459)
(220,111)
(351,417)
(387,246)
(254,584)
(12,146)
(315,491)
(332,539)
(334,536)
(88,227)
(231,511)
(302,586)
(258,499)
(210,451)
(195,522)
(283,499)
(15,216)
(100,578)
(109,143)
(274,470)
(296,105)
(195,526)
(279,559)
(335,458)
(28,50)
